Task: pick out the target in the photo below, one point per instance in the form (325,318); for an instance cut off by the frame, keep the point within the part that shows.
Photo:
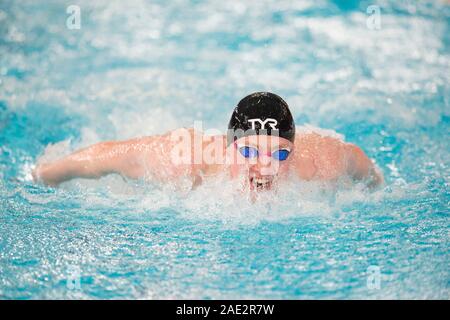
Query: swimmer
(261,148)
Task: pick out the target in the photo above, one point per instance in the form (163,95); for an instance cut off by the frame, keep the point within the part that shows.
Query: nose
(265,159)
(266,166)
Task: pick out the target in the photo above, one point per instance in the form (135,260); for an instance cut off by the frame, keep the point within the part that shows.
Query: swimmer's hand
(122,157)
(361,168)
(39,174)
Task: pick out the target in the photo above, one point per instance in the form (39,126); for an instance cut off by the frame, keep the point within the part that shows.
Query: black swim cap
(261,113)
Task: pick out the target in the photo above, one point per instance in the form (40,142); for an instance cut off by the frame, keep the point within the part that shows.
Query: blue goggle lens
(280,155)
(250,152)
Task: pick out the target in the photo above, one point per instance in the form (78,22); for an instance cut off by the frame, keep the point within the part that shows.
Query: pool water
(145,67)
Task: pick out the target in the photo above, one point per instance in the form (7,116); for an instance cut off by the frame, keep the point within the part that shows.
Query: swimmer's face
(259,160)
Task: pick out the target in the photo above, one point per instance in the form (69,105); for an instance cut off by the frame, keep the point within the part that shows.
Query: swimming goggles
(252,152)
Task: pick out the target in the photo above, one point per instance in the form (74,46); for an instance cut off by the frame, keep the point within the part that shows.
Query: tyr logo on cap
(271,122)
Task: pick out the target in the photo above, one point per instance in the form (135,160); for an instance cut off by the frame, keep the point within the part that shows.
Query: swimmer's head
(261,113)
(260,137)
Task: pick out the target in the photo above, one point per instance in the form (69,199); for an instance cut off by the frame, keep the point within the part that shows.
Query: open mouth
(260,183)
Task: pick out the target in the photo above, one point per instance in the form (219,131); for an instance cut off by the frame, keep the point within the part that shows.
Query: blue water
(143,67)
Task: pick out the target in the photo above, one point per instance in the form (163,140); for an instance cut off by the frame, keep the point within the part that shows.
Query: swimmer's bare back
(315,157)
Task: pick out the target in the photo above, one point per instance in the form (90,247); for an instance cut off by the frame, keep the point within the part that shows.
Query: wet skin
(312,157)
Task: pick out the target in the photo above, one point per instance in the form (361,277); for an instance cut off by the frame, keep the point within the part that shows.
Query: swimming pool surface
(143,67)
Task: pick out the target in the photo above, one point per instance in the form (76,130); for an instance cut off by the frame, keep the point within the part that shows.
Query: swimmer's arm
(360,167)
(122,157)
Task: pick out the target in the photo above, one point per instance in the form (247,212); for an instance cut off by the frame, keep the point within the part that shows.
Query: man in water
(260,148)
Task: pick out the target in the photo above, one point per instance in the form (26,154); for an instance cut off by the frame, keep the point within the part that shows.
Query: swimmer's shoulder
(207,151)
(325,154)
(208,140)
(314,141)
(196,134)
